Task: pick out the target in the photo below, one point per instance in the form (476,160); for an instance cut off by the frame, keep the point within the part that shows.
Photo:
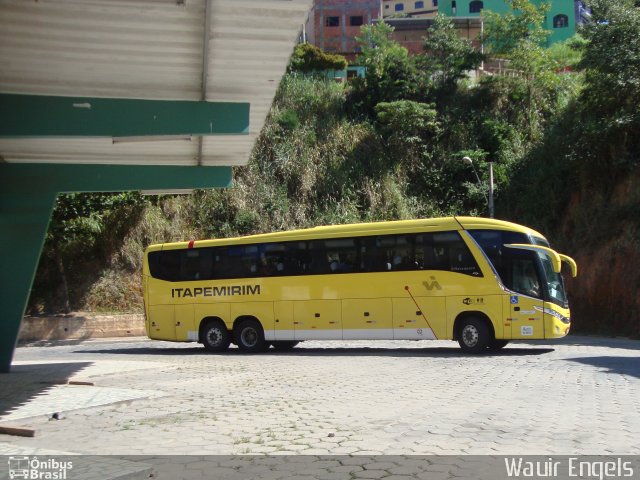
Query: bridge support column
(27,197)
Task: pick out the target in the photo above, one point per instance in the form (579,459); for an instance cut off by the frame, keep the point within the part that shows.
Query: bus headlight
(553,313)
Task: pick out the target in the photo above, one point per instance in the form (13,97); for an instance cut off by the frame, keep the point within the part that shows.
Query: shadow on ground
(453,352)
(592,341)
(618,365)
(26,382)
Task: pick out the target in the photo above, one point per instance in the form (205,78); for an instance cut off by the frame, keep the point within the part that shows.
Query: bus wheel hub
(470,335)
(214,336)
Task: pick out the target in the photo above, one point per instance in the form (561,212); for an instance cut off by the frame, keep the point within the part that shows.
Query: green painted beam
(27,198)
(49,116)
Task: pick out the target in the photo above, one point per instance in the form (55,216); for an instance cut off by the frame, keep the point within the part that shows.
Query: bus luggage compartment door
(162,322)
(284,328)
(317,320)
(367,318)
(409,319)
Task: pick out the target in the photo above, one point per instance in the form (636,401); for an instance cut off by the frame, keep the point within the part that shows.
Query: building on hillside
(560,21)
(410,32)
(334,24)
(410,8)
(467,19)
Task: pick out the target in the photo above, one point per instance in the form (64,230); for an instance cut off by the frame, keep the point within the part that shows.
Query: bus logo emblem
(432,284)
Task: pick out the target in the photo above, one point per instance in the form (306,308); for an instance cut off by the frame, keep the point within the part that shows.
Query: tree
(611,62)
(84,228)
(390,73)
(519,35)
(308,58)
(406,126)
(448,57)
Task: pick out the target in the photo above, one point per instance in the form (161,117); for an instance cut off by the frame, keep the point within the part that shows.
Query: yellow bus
(479,281)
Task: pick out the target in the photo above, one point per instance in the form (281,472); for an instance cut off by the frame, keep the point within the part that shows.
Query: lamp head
(467,160)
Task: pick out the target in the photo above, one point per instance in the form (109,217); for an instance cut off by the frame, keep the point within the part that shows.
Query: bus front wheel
(474,336)
(249,336)
(215,337)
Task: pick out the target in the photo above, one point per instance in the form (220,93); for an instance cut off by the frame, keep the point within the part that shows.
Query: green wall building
(560,21)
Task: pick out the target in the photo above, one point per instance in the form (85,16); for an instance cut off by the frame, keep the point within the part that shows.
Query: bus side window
(418,256)
(371,257)
(272,259)
(196,264)
(318,256)
(235,261)
(298,258)
(447,251)
(524,276)
(165,265)
(341,255)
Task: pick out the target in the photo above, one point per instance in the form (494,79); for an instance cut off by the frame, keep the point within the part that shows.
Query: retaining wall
(80,327)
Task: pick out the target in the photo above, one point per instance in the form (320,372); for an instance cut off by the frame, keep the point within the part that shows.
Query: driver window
(525,277)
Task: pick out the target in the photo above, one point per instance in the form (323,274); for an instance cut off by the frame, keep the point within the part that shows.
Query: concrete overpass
(116,95)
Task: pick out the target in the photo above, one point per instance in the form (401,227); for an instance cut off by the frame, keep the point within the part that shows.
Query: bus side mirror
(572,263)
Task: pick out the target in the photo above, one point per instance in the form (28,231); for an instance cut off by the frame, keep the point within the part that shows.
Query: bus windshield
(514,267)
(553,280)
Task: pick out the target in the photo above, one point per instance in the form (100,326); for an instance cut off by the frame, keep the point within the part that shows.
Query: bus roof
(359,229)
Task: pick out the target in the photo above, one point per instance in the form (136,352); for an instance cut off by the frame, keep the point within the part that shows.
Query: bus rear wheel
(249,336)
(474,336)
(284,345)
(215,337)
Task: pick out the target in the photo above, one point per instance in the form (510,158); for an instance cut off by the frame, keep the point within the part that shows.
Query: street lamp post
(468,161)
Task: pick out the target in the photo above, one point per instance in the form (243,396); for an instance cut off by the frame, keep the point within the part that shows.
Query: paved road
(577,396)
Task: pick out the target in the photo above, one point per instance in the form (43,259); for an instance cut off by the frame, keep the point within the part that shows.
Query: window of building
(454,7)
(333,21)
(399,7)
(356,21)
(476,6)
(435,3)
(419,5)
(560,21)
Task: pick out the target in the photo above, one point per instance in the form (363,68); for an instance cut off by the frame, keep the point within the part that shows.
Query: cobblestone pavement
(576,396)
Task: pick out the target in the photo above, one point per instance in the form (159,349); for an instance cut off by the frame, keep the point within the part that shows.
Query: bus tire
(474,336)
(495,344)
(284,345)
(249,336)
(215,336)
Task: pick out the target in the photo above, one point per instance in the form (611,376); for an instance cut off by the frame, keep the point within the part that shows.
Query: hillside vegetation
(390,146)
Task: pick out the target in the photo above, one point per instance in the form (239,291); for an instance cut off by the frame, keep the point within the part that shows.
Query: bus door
(548,265)
(526,297)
